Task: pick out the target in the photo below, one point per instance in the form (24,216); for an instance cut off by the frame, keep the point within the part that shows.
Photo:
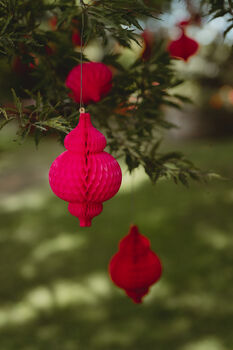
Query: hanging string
(81,109)
(132,199)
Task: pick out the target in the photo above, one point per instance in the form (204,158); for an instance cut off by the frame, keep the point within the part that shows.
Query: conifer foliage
(38,50)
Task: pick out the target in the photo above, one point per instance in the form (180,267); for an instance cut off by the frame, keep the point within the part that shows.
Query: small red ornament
(184,47)
(24,68)
(149,40)
(53,22)
(135,267)
(96,82)
(19,67)
(76,39)
(84,175)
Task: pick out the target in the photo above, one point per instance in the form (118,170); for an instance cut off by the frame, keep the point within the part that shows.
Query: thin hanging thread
(81,109)
(132,199)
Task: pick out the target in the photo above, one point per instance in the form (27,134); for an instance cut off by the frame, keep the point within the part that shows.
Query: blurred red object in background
(149,39)
(184,47)
(96,82)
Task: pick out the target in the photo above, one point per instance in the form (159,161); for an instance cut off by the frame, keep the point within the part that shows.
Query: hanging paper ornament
(148,38)
(53,22)
(96,82)
(20,67)
(84,175)
(76,40)
(135,267)
(35,62)
(184,47)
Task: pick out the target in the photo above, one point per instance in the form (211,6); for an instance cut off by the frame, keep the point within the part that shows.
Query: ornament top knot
(85,175)
(134,243)
(135,267)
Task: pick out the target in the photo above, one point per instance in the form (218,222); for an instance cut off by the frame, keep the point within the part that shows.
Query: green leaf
(183,179)
(3,111)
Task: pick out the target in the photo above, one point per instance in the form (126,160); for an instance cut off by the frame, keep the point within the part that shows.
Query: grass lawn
(55,293)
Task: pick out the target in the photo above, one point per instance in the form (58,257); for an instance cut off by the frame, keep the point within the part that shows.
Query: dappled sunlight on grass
(193,301)
(99,283)
(40,298)
(216,238)
(205,344)
(59,294)
(67,293)
(24,200)
(63,242)
(17,314)
(55,291)
(161,290)
(108,337)
(152,217)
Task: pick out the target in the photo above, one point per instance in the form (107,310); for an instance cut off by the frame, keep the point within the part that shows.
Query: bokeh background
(55,292)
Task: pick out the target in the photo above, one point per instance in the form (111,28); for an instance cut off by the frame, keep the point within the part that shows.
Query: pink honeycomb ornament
(85,175)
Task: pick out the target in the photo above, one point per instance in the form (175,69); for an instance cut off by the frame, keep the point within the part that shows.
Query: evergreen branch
(131,116)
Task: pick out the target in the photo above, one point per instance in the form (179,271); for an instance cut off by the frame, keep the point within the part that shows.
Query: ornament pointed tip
(137,300)
(84,222)
(137,295)
(133,229)
(132,225)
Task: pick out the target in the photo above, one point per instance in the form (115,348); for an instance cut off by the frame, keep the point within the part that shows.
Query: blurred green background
(55,292)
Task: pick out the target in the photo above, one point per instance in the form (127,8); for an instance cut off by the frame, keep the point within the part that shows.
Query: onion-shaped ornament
(85,175)
(96,82)
(135,267)
(184,47)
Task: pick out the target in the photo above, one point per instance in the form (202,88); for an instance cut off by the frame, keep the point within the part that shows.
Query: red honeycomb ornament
(148,43)
(184,47)
(96,82)
(135,267)
(85,175)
